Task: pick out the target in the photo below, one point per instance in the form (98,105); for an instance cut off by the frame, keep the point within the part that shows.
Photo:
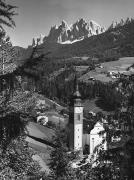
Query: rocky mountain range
(65,34)
(116,41)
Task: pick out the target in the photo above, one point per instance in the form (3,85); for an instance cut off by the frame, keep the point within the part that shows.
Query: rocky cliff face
(38,40)
(58,33)
(83,29)
(79,30)
(69,34)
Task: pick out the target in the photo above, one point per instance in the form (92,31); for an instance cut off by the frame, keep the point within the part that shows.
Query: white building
(42,119)
(97,137)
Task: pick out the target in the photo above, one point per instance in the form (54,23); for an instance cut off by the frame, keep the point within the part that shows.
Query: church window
(93,142)
(78,117)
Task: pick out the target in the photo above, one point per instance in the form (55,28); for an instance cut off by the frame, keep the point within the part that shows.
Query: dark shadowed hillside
(23,54)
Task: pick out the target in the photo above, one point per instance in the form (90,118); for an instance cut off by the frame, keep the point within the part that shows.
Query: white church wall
(86,139)
(95,138)
(78,136)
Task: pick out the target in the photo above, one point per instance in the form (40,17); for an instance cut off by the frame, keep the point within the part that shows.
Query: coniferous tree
(60,159)
(7,12)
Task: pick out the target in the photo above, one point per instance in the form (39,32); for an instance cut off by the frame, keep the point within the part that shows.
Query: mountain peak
(63,22)
(38,40)
(81,20)
(94,23)
(79,30)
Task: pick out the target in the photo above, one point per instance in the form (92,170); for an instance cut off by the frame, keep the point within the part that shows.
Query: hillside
(23,54)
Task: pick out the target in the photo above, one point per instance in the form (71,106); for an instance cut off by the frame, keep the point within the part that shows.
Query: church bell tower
(75,120)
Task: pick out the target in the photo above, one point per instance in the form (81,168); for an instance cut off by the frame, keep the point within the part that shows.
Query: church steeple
(76,93)
(75,99)
(75,119)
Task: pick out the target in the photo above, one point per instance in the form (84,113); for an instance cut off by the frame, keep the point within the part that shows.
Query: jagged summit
(64,23)
(65,33)
(38,40)
(122,22)
(79,30)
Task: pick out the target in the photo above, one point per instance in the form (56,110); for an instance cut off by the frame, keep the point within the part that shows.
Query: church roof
(76,93)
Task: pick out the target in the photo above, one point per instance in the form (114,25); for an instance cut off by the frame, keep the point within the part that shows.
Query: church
(78,140)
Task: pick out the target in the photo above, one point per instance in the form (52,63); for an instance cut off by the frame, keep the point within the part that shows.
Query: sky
(36,17)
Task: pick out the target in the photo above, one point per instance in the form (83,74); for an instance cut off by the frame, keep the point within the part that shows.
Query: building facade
(97,138)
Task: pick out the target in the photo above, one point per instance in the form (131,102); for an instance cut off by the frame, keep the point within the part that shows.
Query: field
(96,75)
(52,103)
(94,106)
(120,65)
(39,131)
(81,68)
(100,73)
(42,154)
(42,150)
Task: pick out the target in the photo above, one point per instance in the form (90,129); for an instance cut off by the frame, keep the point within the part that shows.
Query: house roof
(41,132)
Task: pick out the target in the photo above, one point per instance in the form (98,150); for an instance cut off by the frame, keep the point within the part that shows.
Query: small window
(78,136)
(78,117)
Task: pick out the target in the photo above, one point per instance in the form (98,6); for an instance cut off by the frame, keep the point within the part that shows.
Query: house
(96,137)
(93,138)
(42,119)
(92,113)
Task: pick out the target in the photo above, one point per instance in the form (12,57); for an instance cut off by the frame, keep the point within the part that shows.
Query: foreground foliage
(16,161)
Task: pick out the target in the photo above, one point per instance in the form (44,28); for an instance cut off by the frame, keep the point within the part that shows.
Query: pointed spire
(75,82)
(76,93)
